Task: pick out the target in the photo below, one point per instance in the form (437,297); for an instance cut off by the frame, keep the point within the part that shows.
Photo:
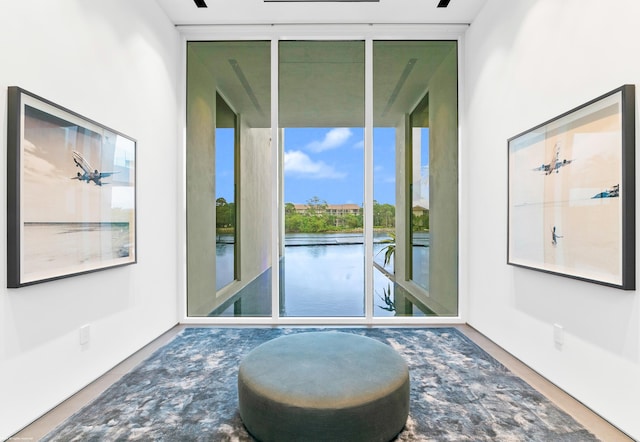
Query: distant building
(419,210)
(343,209)
(331,209)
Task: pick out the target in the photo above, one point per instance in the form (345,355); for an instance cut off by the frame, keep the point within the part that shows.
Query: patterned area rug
(186,391)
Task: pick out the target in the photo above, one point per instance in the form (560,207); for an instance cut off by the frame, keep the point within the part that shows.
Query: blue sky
(329,163)
(323,162)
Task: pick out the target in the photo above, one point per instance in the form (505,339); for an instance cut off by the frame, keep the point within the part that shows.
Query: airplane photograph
(554,165)
(614,192)
(88,173)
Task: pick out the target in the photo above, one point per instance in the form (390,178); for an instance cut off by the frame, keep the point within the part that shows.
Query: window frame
(369,34)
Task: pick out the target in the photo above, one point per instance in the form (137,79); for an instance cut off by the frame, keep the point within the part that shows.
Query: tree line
(316,217)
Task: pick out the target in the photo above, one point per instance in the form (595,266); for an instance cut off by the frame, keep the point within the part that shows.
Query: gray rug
(186,391)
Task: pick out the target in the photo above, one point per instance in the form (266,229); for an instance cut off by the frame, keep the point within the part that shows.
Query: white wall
(116,62)
(526,62)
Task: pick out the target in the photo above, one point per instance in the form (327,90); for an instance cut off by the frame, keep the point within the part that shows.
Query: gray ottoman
(323,386)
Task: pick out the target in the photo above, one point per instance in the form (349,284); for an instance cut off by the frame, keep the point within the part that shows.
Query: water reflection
(225,269)
(325,280)
(390,299)
(420,250)
(323,275)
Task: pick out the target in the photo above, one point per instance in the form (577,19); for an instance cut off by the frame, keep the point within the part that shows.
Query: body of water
(323,275)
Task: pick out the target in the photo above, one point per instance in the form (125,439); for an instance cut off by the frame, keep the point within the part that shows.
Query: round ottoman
(323,386)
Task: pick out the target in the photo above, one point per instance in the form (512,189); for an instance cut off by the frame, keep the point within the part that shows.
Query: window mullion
(276,186)
(368,180)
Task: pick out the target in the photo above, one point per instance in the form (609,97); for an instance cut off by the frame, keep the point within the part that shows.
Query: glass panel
(384,196)
(225,186)
(384,219)
(228,168)
(322,117)
(425,151)
(419,214)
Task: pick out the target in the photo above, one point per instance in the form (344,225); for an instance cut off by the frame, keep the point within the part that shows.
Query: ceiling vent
(443,3)
(200,3)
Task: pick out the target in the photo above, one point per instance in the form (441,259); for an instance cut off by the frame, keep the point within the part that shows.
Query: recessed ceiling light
(443,3)
(200,3)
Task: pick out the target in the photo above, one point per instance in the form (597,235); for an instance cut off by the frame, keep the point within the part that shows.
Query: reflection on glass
(384,219)
(225,151)
(425,147)
(321,147)
(225,208)
(228,144)
(419,215)
(384,194)
(390,299)
(322,117)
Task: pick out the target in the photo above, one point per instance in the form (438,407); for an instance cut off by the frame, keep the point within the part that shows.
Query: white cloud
(333,139)
(298,163)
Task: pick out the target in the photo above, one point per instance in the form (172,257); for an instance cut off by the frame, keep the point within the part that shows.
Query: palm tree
(389,249)
(390,305)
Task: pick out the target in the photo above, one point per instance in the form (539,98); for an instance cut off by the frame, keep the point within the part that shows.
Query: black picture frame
(572,193)
(71,193)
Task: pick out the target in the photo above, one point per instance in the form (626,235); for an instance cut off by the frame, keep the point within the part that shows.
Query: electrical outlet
(85,334)
(558,335)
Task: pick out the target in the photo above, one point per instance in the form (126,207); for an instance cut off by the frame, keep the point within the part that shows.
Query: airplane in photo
(614,192)
(88,173)
(554,165)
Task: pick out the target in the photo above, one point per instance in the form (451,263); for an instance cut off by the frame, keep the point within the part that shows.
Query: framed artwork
(572,193)
(71,193)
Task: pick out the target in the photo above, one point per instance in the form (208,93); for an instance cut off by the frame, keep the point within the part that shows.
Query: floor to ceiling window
(333,243)
(228,174)
(415,99)
(321,114)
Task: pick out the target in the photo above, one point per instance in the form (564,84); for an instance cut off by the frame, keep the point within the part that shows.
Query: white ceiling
(185,12)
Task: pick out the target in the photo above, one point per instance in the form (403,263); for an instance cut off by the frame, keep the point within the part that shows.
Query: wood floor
(594,423)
